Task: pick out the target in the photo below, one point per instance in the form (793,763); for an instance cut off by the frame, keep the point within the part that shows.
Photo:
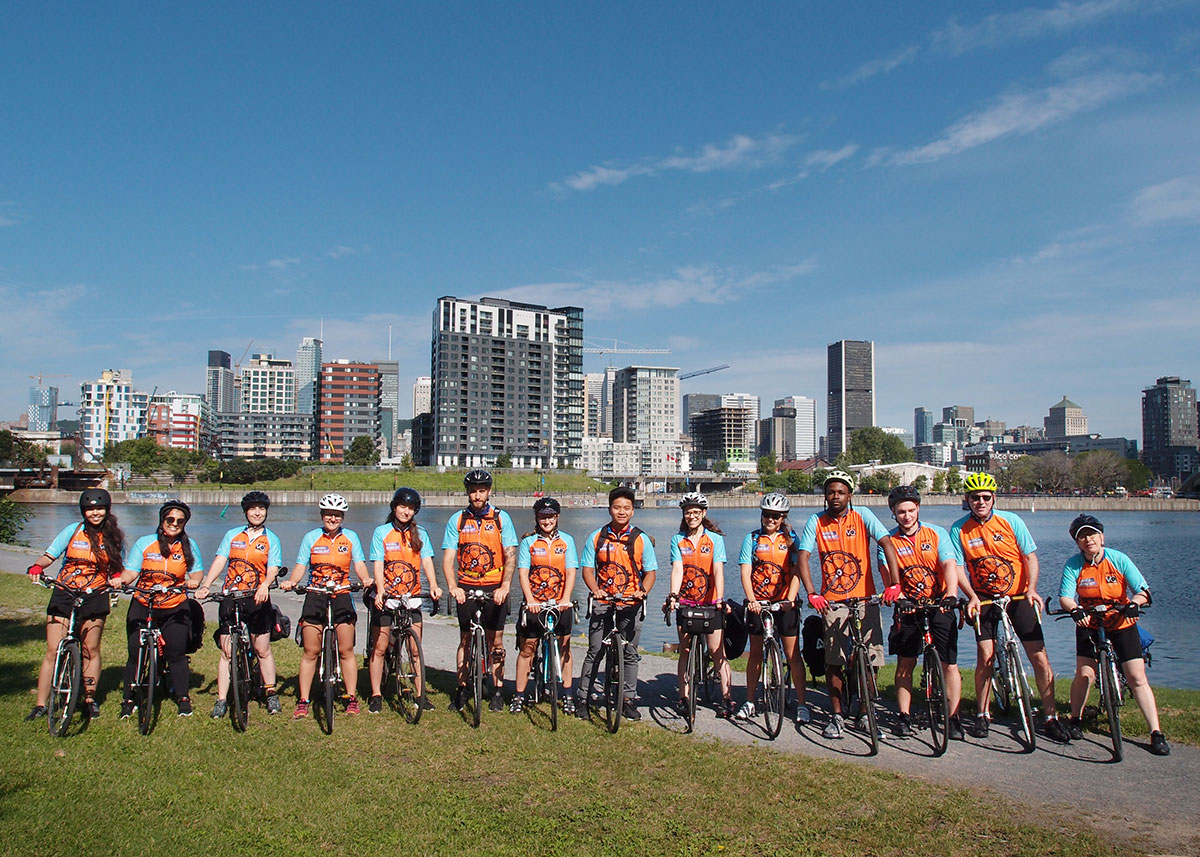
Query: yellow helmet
(980,482)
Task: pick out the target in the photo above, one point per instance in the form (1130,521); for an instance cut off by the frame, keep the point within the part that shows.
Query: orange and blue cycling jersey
(772,561)
(619,559)
(479,541)
(81,568)
(1109,580)
(699,584)
(843,545)
(401,558)
(154,569)
(920,557)
(330,557)
(549,563)
(993,552)
(249,557)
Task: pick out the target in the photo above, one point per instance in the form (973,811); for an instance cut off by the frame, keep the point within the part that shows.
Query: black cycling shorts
(1127,644)
(909,642)
(787,623)
(259,618)
(531,625)
(494,615)
(1022,615)
(315,603)
(62,601)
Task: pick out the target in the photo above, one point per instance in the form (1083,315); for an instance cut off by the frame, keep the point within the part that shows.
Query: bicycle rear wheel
(65,687)
(478,669)
(1019,692)
(329,667)
(410,675)
(551,672)
(147,681)
(239,683)
(774,687)
(864,681)
(1109,690)
(614,671)
(933,681)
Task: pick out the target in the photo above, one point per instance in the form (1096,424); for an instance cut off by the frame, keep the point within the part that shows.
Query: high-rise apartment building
(348,406)
(422,396)
(111,411)
(1169,437)
(308,374)
(804,444)
(922,425)
(727,433)
(507,379)
(606,401)
(268,386)
(593,410)
(389,404)
(646,405)
(1066,419)
(219,387)
(956,413)
(851,396)
(288,436)
(695,403)
(43,408)
(180,421)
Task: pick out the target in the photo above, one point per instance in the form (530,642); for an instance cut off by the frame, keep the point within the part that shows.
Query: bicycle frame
(329,668)
(612,654)
(773,677)
(1009,670)
(859,672)
(66,683)
(151,669)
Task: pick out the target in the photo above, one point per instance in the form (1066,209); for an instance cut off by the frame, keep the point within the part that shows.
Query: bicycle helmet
(1085,522)
(256,498)
(980,482)
(333,503)
(839,476)
(475,478)
(94,498)
(693,498)
(174,504)
(407,497)
(546,506)
(775,502)
(903,494)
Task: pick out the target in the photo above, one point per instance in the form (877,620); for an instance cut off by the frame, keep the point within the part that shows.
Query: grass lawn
(511,787)
(388,480)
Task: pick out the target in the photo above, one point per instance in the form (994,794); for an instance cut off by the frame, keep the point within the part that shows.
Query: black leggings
(176,627)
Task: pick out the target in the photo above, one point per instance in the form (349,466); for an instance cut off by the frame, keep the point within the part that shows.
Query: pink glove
(818,602)
(892,593)
(34,570)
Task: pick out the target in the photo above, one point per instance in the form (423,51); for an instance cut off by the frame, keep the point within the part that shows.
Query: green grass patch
(388,480)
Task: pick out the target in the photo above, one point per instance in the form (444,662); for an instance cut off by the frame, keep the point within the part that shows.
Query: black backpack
(813,635)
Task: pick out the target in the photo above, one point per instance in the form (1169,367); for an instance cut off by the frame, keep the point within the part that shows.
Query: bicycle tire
(147,680)
(410,675)
(774,687)
(933,680)
(694,672)
(537,674)
(552,672)
(710,681)
(1109,690)
(1020,692)
(1000,680)
(239,680)
(614,660)
(329,663)
(478,669)
(863,680)
(65,687)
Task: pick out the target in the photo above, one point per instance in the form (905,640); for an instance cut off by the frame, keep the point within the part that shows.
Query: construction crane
(708,371)
(632,349)
(40,375)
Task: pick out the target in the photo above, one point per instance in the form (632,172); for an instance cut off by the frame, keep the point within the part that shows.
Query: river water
(1162,544)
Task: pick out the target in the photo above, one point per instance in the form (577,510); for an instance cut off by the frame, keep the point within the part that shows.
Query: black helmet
(256,498)
(94,498)
(1085,522)
(407,497)
(903,493)
(476,478)
(546,505)
(174,504)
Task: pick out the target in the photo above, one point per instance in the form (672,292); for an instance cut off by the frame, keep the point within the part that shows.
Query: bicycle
(329,664)
(404,663)
(612,657)
(1009,681)
(773,676)
(546,670)
(245,676)
(699,672)
(933,674)
(860,676)
(66,682)
(477,661)
(151,670)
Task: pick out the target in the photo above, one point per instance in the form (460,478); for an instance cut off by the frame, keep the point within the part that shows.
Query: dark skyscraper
(1169,443)
(851,403)
(922,425)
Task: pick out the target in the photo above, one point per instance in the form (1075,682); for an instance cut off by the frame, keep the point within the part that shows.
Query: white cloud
(874,67)
(826,158)
(1024,113)
(1176,199)
(278,265)
(341,251)
(741,152)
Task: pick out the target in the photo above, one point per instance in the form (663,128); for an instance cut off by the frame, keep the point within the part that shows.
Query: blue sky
(1005,197)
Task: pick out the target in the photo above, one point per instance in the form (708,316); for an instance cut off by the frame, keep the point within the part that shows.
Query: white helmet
(693,498)
(775,502)
(333,503)
(840,476)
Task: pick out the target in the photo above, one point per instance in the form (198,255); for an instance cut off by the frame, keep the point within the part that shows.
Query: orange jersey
(81,568)
(619,561)
(1108,581)
(547,561)
(993,553)
(699,583)
(844,547)
(402,560)
(772,561)
(330,558)
(920,557)
(249,558)
(479,545)
(154,569)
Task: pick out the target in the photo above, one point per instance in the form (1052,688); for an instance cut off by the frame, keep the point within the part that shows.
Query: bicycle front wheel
(864,680)
(774,687)
(65,687)
(1109,690)
(478,669)
(1021,696)
(614,670)
(553,672)
(1000,680)
(147,681)
(695,677)
(410,675)
(329,667)
(933,681)
(239,683)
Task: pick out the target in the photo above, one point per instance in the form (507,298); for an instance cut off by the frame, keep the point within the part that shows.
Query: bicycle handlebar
(302,589)
(236,594)
(773,606)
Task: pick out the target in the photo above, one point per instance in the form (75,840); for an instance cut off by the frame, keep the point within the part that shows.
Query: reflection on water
(1162,544)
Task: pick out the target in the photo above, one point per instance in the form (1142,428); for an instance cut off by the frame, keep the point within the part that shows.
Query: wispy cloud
(1176,199)
(740,152)
(1025,112)
(871,69)
(278,265)
(341,251)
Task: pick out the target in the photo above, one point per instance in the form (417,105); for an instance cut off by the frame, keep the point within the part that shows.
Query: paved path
(1079,777)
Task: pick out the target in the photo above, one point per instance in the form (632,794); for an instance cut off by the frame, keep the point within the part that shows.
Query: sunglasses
(174,520)
(773,516)
(985,498)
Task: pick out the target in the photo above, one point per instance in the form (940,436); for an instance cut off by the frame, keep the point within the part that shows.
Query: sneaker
(301,711)
(375,705)
(746,712)
(220,709)
(91,709)
(861,724)
(38,711)
(1055,731)
(568,705)
(1159,745)
(803,714)
(497,702)
(273,704)
(903,727)
(352,706)
(1075,728)
(833,729)
(185,707)
(681,707)
(426,705)
(630,711)
(725,709)
(982,723)
(517,705)
(955,733)
(128,706)
(460,698)
(581,709)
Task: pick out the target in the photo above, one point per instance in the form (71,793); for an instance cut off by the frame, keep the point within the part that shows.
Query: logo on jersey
(997,537)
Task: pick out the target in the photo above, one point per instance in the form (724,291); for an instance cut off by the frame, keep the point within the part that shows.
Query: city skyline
(1005,200)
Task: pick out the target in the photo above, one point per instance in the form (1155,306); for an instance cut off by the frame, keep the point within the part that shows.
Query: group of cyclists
(987,555)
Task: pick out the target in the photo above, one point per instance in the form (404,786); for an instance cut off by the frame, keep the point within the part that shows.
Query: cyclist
(331,551)
(996,556)
(768,565)
(618,562)
(546,568)
(167,557)
(698,580)
(400,553)
(927,571)
(253,555)
(841,535)
(479,551)
(1099,575)
(92,559)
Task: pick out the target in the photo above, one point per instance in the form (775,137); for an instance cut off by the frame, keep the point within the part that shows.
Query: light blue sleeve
(377,542)
(223,549)
(945,548)
(1024,539)
(356,551)
(572,556)
(747,553)
(1133,575)
(197,559)
(304,555)
(956,540)
(588,560)
(135,556)
(523,560)
(676,554)
(274,550)
(450,537)
(808,538)
(508,533)
(1070,576)
(62,541)
(874,526)
(880,556)
(649,560)
(426,545)
(718,547)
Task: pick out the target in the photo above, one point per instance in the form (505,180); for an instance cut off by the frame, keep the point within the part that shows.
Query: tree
(6,445)
(1053,472)
(721,466)
(12,519)
(799,482)
(921,483)
(767,464)
(953,481)
(1137,475)
(939,483)
(1023,473)
(362,452)
(406,461)
(1101,470)
(503,461)
(874,444)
